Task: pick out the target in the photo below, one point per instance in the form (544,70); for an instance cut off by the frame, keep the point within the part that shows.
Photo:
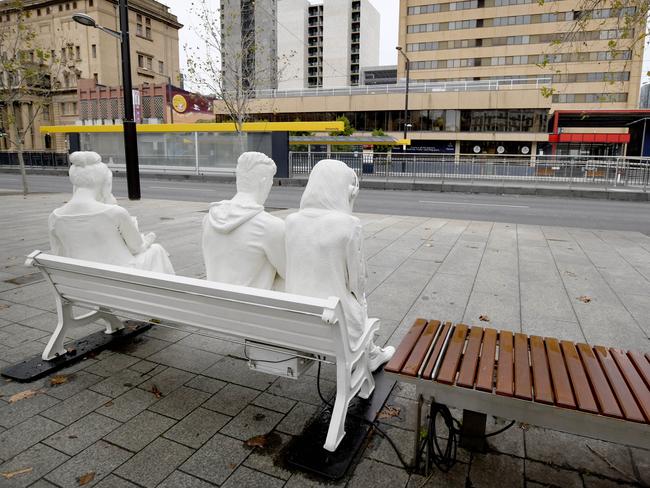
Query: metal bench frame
(310,325)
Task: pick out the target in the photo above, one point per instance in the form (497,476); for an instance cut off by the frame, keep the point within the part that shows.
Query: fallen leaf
(257,441)
(86,478)
(3,306)
(108,403)
(71,350)
(156,391)
(154,321)
(10,474)
(232,465)
(72,436)
(23,395)
(388,412)
(584,299)
(59,379)
(484,318)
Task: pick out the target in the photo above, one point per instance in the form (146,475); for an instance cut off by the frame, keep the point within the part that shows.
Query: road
(566,212)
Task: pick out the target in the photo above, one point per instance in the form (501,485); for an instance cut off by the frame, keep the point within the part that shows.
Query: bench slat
(634,381)
(449,367)
(559,374)
(642,365)
(485,376)
(470,358)
(523,384)
(421,348)
(606,399)
(623,393)
(542,389)
(437,349)
(579,379)
(505,373)
(406,346)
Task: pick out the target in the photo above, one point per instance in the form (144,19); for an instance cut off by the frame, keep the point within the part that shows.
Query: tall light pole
(128,123)
(406,101)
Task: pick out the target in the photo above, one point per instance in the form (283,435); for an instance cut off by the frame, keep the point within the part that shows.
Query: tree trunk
(240,137)
(21,163)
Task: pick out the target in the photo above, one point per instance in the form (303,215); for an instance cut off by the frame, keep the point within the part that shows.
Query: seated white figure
(88,228)
(325,248)
(243,244)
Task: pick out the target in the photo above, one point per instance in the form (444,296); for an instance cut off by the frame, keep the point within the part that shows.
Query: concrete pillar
(457,152)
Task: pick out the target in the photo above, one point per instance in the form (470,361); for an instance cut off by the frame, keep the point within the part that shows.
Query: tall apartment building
(249,43)
(327,43)
(87,53)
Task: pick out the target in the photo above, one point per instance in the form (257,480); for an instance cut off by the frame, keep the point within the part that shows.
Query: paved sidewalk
(105,420)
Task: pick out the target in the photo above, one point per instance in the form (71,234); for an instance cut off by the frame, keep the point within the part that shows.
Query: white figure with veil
(93,227)
(324,243)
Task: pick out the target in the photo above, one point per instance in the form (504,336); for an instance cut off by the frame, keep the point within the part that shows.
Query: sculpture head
(332,185)
(254,173)
(87,171)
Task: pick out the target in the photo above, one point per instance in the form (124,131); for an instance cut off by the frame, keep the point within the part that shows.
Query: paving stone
(112,481)
(154,463)
(100,458)
(217,459)
(24,351)
(303,389)
(267,460)
(489,470)
(407,412)
(179,479)
(455,478)
(641,460)
(302,480)
(112,364)
(142,346)
(509,442)
(252,421)
(42,484)
(377,475)
(204,383)
(9,387)
(147,367)
(197,427)
(128,405)
(42,459)
(13,335)
(380,449)
(591,481)
(298,418)
(81,434)
(551,476)
(17,412)
(135,434)
(244,476)
(180,402)
(274,402)
(14,312)
(26,434)
(75,407)
(76,383)
(185,358)
(231,399)
(236,371)
(167,380)
(119,383)
(571,452)
(166,333)
(211,344)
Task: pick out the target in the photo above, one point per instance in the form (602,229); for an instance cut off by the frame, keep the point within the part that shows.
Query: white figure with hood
(243,244)
(93,227)
(324,244)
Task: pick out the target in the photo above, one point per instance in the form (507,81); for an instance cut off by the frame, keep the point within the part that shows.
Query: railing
(34,159)
(606,171)
(414,87)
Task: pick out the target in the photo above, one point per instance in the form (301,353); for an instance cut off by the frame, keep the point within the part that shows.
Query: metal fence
(608,171)
(34,159)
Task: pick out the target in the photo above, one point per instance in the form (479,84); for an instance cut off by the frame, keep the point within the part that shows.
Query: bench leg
(113,324)
(336,429)
(472,431)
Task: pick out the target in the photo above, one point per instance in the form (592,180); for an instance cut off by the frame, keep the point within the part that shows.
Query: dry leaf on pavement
(258,441)
(484,318)
(10,474)
(389,411)
(59,379)
(23,395)
(4,305)
(86,478)
(156,391)
(584,299)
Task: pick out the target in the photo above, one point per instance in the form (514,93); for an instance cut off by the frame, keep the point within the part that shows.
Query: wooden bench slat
(560,376)
(579,378)
(470,358)
(406,346)
(634,381)
(606,400)
(485,375)
(523,384)
(437,349)
(642,365)
(421,348)
(505,365)
(542,389)
(623,394)
(449,368)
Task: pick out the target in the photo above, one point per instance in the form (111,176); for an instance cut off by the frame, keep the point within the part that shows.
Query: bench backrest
(298,322)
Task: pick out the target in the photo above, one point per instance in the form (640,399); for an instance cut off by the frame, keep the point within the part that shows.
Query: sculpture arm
(56,246)
(356,265)
(133,239)
(274,246)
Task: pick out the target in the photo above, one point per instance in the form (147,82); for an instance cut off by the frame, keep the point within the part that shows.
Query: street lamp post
(406,98)
(128,123)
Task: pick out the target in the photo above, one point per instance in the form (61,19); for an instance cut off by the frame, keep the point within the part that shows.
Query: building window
(67,6)
(161,67)
(138,25)
(62,108)
(90,3)
(96,78)
(74,5)
(38,12)
(147,22)
(93,49)
(60,8)
(145,62)
(78,53)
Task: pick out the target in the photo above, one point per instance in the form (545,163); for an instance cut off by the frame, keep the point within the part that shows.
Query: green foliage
(380,148)
(348,130)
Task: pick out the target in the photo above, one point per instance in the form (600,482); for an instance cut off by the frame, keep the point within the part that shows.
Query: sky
(388,9)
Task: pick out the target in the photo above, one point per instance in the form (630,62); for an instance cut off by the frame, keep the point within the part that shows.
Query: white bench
(309,325)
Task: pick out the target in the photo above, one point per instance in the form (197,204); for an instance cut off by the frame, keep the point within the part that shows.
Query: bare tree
(28,77)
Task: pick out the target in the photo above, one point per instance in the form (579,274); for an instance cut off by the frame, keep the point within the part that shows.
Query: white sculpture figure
(325,248)
(91,227)
(243,244)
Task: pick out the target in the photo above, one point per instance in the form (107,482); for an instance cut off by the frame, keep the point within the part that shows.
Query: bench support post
(472,432)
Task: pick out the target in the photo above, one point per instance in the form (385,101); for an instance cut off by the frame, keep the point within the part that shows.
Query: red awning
(601,138)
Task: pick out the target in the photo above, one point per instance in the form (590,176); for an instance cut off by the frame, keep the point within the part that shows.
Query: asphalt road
(566,212)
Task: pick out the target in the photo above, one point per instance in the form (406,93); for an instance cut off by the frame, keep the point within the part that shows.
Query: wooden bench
(597,392)
(307,326)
